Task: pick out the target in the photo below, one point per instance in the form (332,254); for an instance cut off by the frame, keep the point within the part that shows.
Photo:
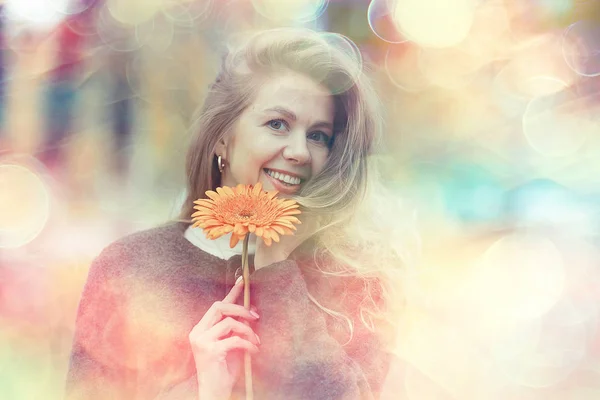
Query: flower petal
(239,229)
(275,236)
(291,212)
(284,223)
(213,195)
(266,233)
(277,229)
(211,222)
(259,231)
(257,189)
(228,191)
(204,203)
(221,192)
(228,228)
(289,203)
(288,231)
(201,213)
(291,219)
(233,240)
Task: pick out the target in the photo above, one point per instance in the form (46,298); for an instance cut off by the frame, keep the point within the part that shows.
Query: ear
(221,148)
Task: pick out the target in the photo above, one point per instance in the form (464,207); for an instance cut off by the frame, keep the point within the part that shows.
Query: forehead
(297,93)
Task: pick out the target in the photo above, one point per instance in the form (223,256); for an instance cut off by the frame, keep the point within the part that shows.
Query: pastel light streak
(545,203)
(24,205)
(435,23)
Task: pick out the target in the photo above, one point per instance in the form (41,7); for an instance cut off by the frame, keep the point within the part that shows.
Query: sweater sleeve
(120,353)
(97,366)
(299,359)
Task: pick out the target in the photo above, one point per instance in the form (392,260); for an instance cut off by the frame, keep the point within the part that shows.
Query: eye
(320,137)
(277,124)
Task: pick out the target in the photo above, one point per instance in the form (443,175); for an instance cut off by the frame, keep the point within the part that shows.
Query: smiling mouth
(283,179)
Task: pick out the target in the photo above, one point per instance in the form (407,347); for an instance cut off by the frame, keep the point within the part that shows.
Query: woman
(161,314)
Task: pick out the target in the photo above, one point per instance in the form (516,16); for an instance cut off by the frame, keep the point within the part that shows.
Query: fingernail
(255,315)
(239,279)
(257,338)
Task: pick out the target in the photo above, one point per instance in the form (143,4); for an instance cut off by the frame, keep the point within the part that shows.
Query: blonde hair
(335,194)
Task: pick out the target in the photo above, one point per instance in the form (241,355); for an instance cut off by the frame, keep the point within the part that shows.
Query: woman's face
(282,139)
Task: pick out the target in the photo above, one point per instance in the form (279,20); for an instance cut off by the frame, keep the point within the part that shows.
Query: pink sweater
(146,292)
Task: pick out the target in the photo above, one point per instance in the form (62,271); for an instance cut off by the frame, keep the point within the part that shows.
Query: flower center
(246,214)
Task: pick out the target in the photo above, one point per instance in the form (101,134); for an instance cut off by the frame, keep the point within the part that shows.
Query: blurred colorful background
(492,145)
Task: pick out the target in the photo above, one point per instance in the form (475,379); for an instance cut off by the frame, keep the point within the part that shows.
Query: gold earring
(220,163)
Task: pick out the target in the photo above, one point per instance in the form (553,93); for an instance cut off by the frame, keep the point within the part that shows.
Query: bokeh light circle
(24,205)
(187,13)
(290,10)
(402,67)
(521,276)
(348,53)
(449,68)
(83,24)
(156,34)
(38,13)
(535,69)
(581,48)
(435,23)
(134,12)
(559,125)
(418,385)
(72,7)
(114,34)
(381,21)
(543,359)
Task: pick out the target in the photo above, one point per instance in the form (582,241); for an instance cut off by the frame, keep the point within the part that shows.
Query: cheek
(251,155)
(319,159)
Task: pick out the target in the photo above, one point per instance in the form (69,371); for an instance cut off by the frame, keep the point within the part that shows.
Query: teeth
(290,180)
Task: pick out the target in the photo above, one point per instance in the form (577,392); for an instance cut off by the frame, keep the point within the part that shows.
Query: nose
(296,149)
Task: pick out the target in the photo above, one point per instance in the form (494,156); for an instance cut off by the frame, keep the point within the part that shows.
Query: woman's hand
(218,342)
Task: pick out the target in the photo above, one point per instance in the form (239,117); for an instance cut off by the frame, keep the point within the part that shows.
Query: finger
(235,343)
(235,291)
(230,325)
(220,310)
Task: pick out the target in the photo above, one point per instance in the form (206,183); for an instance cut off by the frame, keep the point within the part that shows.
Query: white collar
(218,247)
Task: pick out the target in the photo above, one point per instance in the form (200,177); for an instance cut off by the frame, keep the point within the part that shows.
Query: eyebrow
(292,116)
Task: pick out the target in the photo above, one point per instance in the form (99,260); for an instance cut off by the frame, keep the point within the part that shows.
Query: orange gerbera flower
(244,209)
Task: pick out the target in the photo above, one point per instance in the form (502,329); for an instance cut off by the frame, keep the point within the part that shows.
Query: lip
(280,187)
